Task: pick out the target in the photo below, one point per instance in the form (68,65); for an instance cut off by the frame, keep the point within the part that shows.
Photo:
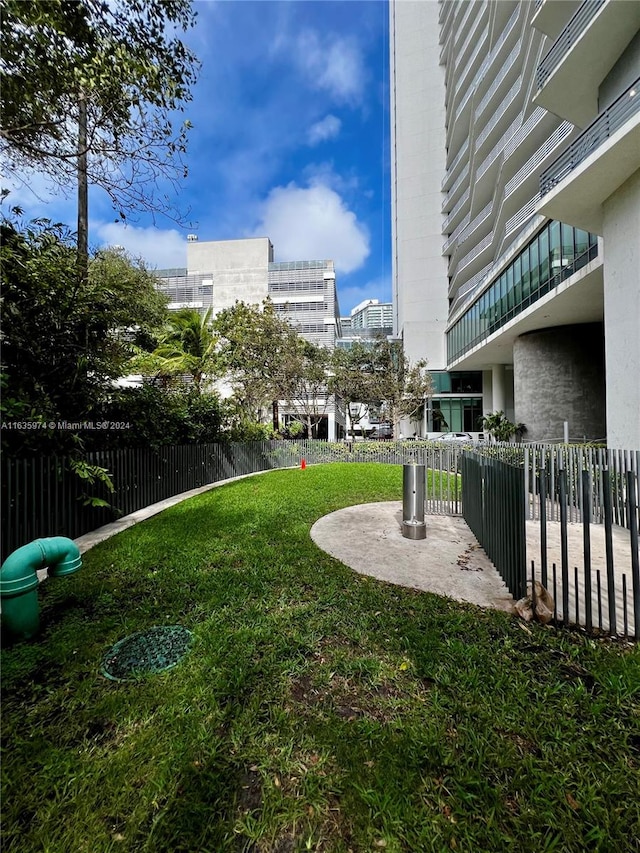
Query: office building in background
(220,273)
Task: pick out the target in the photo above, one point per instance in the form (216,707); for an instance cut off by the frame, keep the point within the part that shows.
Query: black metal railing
(493,505)
(599,131)
(567,38)
(573,459)
(43,497)
(501,490)
(592,591)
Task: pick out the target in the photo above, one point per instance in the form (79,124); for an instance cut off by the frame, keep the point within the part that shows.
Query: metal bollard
(413,481)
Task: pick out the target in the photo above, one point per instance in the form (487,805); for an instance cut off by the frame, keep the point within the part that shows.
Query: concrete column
(331,426)
(621,230)
(559,376)
(487,392)
(498,391)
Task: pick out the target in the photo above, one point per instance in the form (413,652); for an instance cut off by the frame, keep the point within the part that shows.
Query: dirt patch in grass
(348,700)
(303,691)
(250,795)
(100,732)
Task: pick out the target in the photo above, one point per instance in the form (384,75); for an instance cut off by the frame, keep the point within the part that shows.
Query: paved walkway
(368,538)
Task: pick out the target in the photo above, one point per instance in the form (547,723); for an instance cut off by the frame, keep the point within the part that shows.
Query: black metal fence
(42,497)
(581,506)
(601,589)
(574,460)
(493,502)
(502,490)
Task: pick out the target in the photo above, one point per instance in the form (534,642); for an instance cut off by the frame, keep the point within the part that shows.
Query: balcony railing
(515,53)
(486,63)
(463,150)
(461,51)
(523,215)
(472,255)
(478,220)
(464,174)
(603,127)
(466,292)
(499,147)
(458,207)
(453,238)
(497,116)
(516,138)
(534,161)
(567,38)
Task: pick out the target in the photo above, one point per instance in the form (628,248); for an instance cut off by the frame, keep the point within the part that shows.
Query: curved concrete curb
(100,534)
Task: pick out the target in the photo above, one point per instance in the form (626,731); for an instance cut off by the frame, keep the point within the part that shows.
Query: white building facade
(500,276)
(305,293)
(220,273)
(372,314)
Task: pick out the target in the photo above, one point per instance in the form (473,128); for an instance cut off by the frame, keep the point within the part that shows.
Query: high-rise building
(368,321)
(516,166)
(220,273)
(372,314)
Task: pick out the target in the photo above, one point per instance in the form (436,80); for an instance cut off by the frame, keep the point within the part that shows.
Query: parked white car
(463,437)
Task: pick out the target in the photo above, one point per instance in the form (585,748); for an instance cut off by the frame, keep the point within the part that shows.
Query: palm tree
(189,345)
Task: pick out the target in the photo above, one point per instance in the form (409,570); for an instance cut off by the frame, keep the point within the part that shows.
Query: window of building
(555,253)
(534,258)
(463,382)
(457,414)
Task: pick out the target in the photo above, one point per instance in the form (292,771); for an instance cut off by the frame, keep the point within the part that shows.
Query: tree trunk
(83,194)
(276,416)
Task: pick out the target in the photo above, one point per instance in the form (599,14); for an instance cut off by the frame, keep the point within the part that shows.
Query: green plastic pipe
(19,582)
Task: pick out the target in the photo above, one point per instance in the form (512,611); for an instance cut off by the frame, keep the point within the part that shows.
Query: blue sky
(290,141)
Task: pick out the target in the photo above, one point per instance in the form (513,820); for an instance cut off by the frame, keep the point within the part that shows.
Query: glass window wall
(552,255)
(458,414)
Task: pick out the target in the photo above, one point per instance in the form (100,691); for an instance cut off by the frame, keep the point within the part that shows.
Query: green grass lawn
(317,710)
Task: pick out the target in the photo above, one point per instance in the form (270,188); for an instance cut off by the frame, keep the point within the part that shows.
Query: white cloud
(321,131)
(334,64)
(324,173)
(38,196)
(161,249)
(313,223)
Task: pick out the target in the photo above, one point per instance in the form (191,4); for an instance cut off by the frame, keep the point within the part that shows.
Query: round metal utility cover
(146,653)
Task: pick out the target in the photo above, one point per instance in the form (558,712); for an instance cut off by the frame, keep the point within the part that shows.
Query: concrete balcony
(588,47)
(551,16)
(592,168)
(451,169)
(453,217)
